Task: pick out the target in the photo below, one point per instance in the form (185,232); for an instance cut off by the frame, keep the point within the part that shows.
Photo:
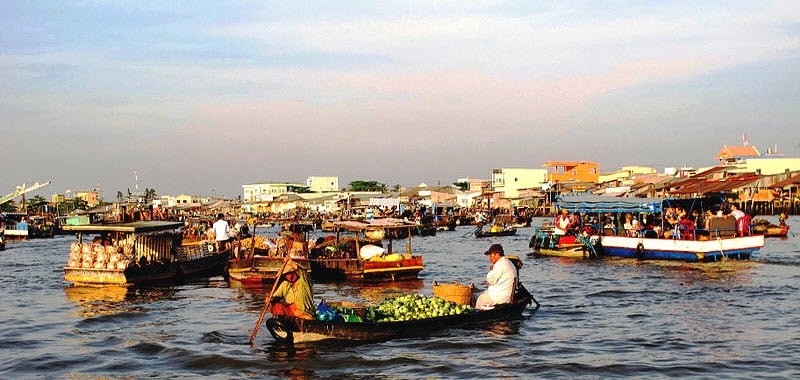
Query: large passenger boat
(140,252)
(716,241)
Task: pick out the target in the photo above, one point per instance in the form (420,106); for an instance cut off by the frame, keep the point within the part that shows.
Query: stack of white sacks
(93,256)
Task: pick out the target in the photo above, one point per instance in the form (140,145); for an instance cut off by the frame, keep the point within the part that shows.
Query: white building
(510,181)
(322,184)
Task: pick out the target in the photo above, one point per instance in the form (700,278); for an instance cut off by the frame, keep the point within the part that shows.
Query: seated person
(502,280)
(294,296)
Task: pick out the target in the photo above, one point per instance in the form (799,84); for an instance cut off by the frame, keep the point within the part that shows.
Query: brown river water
(609,318)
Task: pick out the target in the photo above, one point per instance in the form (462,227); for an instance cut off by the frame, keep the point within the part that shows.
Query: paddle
(253,242)
(266,304)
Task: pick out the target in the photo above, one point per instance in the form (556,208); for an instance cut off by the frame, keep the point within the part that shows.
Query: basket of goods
(455,292)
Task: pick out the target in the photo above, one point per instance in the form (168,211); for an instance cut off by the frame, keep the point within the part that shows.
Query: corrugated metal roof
(794,180)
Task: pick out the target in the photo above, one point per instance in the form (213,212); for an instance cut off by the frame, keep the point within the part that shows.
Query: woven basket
(455,292)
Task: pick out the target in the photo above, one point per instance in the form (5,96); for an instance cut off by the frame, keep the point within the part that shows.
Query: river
(610,318)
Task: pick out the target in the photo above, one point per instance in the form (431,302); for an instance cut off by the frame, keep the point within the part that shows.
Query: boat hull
(207,266)
(508,232)
(574,252)
(255,271)
(684,250)
(355,269)
(290,330)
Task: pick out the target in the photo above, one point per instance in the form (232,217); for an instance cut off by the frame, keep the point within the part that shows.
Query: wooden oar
(266,304)
(253,242)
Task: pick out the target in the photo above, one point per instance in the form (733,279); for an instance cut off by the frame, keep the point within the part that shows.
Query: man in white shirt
(221,230)
(502,280)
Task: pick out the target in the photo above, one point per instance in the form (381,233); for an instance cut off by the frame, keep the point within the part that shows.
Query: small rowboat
(289,330)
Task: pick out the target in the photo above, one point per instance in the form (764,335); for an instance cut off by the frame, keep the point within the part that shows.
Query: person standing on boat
(294,296)
(562,223)
(742,221)
(221,230)
(502,279)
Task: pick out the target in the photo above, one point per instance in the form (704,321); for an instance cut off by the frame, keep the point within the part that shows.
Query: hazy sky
(200,97)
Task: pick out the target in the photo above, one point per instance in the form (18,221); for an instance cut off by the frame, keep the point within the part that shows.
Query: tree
(367,186)
(9,206)
(37,204)
(396,188)
(149,195)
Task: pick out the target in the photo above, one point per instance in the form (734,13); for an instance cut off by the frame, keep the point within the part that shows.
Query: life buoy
(280,331)
(640,251)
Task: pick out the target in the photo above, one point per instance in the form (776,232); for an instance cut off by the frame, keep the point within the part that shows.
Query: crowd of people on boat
(673,223)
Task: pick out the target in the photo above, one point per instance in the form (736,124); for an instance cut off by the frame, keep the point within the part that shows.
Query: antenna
(745,141)
(136,178)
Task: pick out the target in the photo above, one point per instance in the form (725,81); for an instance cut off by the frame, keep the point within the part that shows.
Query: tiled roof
(729,151)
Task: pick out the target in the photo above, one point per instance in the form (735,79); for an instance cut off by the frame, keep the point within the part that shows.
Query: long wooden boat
(719,242)
(289,330)
(769,230)
(139,252)
(506,232)
(543,243)
(330,263)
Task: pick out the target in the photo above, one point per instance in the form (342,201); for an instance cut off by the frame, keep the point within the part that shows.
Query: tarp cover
(599,203)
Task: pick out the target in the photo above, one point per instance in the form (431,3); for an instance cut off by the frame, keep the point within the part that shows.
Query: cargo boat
(340,259)
(139,252)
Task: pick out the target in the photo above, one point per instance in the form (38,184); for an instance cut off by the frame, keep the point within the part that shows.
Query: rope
(722,251)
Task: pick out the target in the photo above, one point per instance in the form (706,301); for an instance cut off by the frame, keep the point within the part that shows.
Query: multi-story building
(509,181)
(322,184)
(572,171)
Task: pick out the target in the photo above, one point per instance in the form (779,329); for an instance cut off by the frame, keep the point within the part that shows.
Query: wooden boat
(289,330)
(543,243)
(139,252)
(505,232)
(763,227)
(256,270)
(252,263)
(329,262)
(24,226)
(720,241)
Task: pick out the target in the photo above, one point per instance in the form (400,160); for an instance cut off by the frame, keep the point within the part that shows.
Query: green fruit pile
(417,306)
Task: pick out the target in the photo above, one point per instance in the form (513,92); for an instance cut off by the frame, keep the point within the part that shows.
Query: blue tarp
(599,203)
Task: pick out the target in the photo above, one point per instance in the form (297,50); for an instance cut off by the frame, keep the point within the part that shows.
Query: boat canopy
(598,203)
(375,224)
(135,227)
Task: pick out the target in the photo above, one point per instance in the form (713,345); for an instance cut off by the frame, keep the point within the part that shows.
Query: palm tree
(9,206)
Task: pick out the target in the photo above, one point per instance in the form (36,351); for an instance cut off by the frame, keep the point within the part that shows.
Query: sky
(199,97)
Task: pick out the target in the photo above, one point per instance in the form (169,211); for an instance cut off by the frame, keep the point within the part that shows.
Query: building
(322,184)
(92,197)
(187,200)
(572,171)
(731,155)
(510,181)
(626,172)
(267,191)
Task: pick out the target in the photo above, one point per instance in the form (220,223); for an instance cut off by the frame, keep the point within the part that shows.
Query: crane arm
(22,189)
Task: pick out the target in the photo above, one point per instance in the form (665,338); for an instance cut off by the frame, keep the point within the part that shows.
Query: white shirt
(220,230)
(737,214)
(501,279)
(562,222)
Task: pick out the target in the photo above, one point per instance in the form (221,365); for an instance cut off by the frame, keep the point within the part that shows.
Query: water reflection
(94,301)
(729,272)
